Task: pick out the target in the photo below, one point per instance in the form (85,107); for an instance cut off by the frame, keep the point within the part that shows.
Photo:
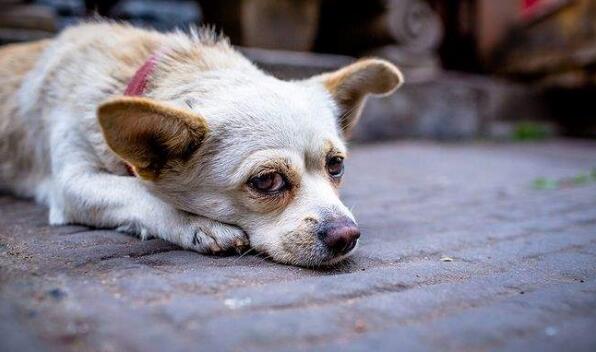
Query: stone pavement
(468,247)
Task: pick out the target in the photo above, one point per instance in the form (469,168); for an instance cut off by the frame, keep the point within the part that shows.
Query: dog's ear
(350,85)
(150,135)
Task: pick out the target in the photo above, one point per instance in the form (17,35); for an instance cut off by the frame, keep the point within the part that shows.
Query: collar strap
(138,83)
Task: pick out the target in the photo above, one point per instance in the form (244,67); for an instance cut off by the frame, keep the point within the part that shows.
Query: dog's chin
(337,259)
(340,258)
(310,260)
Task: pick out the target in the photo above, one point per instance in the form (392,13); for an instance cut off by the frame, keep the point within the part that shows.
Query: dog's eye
(268,183)
(335,166)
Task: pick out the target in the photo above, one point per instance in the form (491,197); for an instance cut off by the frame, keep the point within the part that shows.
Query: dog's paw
(214,237)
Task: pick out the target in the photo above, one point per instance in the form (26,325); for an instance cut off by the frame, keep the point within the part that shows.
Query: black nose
(340,235)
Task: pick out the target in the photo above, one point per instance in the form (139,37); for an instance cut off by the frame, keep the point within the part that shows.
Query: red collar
(138,82)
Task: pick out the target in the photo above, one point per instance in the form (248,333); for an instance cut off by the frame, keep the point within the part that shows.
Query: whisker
(243,254)
(264,259)
(348,112)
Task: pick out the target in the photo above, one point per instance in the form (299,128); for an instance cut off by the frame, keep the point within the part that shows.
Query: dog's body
(222,152)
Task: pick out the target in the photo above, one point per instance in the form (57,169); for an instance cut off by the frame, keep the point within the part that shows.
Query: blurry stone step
(25,16)
(13,35)
(294,64)
(419,63)
(450,106)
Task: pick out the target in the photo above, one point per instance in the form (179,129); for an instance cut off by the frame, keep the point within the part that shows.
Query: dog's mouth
(314,255)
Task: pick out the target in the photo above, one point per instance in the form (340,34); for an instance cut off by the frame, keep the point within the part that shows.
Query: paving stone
(522,275)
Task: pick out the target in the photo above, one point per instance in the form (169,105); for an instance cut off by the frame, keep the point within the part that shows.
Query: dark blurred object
(65,8)
(555,47)
(459,48)
(21,21)
(224,15)
(271,24)
(352,26)
(28,16)
(68,12)
(100,7)
(573,109)
(35,19)
(547,45)
(276,23)
(406,32)
(158,14)
(552,42)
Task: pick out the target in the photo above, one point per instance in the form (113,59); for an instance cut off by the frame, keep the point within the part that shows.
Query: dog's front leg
(141,132)
(99,199)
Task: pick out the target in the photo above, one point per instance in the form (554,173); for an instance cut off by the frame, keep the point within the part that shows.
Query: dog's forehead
(272,114)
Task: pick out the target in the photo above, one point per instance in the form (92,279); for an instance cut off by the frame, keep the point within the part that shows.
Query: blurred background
(475,69)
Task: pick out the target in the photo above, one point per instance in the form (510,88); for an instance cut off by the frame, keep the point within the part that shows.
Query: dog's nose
(340,235)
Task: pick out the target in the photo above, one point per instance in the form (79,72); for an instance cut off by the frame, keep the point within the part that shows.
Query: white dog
(180,137)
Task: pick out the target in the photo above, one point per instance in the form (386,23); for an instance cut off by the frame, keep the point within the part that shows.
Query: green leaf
(543,183)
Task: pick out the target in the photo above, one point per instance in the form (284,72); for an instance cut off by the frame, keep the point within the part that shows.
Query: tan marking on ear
(368,76)
(350,85)
(150,135)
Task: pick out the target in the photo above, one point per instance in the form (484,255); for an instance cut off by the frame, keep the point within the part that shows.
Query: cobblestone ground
(522,274)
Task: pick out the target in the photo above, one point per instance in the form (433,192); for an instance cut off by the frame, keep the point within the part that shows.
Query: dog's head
(247,149)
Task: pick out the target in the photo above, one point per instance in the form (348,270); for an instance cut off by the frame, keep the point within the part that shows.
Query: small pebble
(235,303)
(360,326)
(550,331)
(57,294)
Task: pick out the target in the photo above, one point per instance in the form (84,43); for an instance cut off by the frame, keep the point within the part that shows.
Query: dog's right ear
(149,135)
(350,85)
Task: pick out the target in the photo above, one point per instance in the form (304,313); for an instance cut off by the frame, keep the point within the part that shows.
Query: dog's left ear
(150,135)
(350,85)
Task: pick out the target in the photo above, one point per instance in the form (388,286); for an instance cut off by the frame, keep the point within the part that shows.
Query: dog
(178,136)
